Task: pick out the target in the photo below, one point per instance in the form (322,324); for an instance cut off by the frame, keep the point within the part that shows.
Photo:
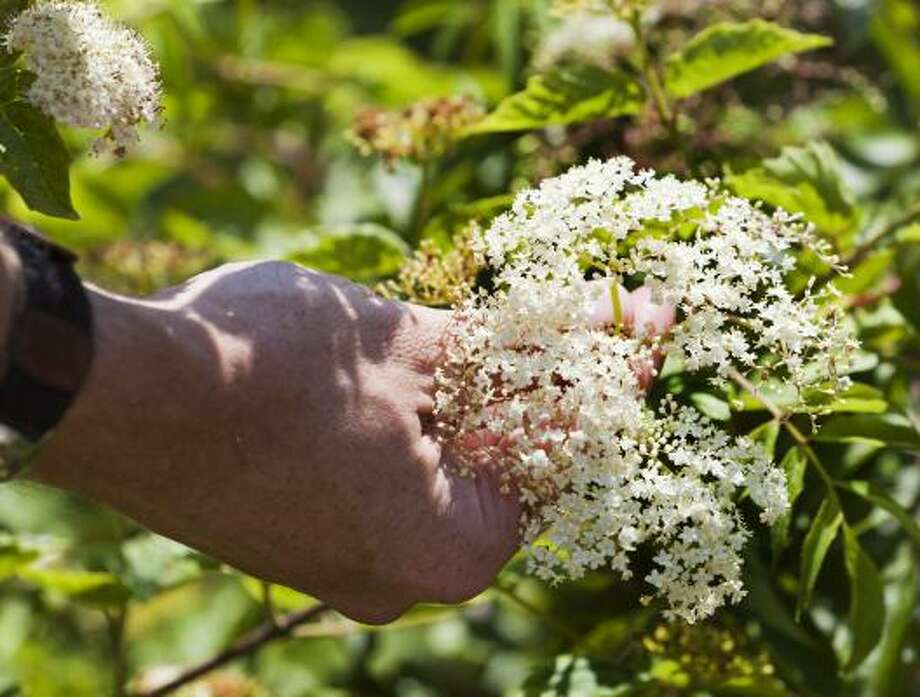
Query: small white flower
(89,71)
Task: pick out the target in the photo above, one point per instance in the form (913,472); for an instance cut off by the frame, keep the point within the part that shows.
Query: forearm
(149,371)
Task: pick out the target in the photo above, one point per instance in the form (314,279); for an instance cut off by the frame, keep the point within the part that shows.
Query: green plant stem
(422,210)
(871,244)
(116,622)
(650,73)
(783,418)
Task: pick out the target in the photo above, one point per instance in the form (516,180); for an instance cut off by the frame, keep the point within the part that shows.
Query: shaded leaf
(890,430)
(563,96)
(820,536)
(867,602)
(881,498)
(888,677)
(577,676)
(35,160)
(729,49)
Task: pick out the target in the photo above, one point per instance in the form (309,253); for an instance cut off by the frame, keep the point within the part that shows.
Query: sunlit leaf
(362,252)
(806,180)
(13,558)
(563,96)
(867,602)
(88,587)
(890,673)
(727,49)
(818,541)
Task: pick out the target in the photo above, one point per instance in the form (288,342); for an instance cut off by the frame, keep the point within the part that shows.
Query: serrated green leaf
(818,541)
(806,180)
(867,601)
(566,95)
(35,160)
(881,498)
(890,430)
(794,465)
(728,49)
(361,252)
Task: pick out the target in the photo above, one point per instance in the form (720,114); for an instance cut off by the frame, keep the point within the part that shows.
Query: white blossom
(89,71)
(584,38)
(535,383)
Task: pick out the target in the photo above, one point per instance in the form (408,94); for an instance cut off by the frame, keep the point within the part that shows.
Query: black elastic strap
(51,344)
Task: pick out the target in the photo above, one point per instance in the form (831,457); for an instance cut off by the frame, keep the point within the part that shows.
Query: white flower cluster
(535,382)
(89,71)
(584,37)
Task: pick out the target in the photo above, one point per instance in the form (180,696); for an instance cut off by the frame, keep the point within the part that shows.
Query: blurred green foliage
(252,161)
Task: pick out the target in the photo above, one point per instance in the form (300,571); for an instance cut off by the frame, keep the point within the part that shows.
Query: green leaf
(563,96)
(859,398)
(362,252)
(88,587)
(895,28)
(576,676)
(728,49)
(35,160)
(881,498)
(13,558)
(794,465)
(867,601)
(711,406)
(890,673)
(806,180)
(890,430)
(869,273)
(814,550)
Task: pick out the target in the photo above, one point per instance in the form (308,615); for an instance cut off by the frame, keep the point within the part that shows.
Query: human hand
(275,418)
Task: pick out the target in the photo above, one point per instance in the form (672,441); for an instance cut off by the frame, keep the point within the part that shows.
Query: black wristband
(51,342)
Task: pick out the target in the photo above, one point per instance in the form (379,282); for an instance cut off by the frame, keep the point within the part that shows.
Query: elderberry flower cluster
(89,71)
(540,382)
(421,132)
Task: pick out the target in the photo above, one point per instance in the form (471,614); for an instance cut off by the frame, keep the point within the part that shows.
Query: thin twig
(249,644)
(869,246)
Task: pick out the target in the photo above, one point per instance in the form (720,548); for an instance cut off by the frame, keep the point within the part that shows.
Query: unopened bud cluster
(535,383)
(89,71)
(421,132)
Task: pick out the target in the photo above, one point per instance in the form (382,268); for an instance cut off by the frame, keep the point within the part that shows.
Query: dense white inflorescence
(536,383)
(89,71)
